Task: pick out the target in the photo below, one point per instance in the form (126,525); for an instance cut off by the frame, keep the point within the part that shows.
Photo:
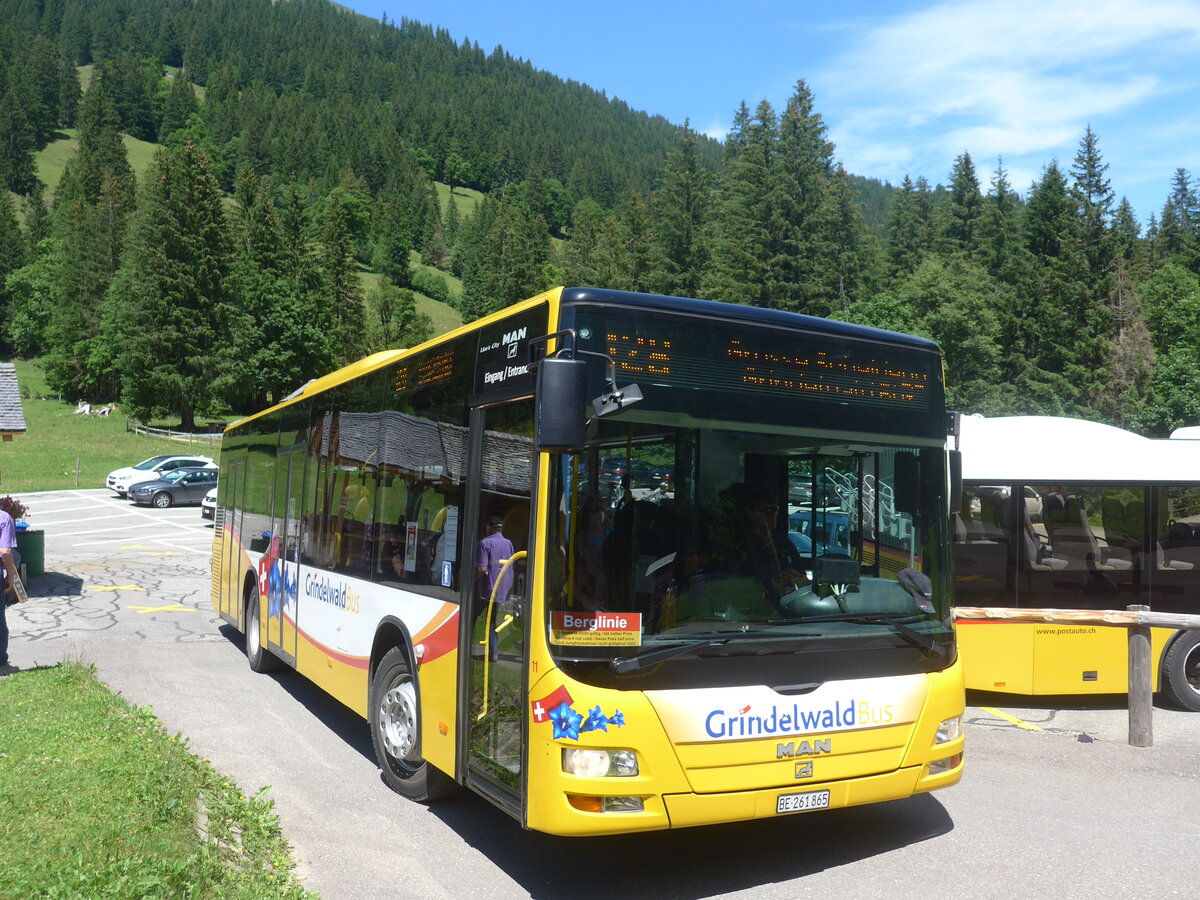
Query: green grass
(52,160)
(443,317)
(44,458)
(465,199)
(97,800)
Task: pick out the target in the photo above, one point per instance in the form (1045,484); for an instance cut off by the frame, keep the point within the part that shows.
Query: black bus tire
(1181,671)
(260,658)
(395,719)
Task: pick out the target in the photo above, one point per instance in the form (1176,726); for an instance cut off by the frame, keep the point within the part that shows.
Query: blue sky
(904,87)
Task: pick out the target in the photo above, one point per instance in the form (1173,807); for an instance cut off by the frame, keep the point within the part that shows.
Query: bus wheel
(395,716)
(261,659)
(1181,671)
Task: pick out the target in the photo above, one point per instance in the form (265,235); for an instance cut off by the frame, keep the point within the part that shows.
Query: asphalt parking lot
(1054,801)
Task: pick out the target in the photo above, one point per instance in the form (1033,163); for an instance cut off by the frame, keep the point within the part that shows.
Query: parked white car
(152,469)
(208,506)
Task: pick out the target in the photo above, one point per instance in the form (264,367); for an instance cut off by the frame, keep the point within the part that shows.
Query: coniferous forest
(299,145)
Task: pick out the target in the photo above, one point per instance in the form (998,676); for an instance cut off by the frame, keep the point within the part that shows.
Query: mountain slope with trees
(300,144)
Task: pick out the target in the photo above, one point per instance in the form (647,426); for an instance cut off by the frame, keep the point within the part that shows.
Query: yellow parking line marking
(1013,720)
(119,587)
(133,547)
(174,607)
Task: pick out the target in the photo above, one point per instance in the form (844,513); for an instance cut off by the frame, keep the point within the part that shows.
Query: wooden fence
(210,439)
(1137,619)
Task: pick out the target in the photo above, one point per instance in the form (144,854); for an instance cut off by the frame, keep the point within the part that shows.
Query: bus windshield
(681,547)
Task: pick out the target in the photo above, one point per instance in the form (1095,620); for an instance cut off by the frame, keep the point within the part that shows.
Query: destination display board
(716,355)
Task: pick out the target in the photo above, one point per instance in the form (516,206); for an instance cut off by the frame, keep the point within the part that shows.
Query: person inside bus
(591,581)
(494,580)
(766,554)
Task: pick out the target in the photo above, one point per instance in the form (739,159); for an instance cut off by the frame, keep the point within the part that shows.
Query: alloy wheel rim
(398,719)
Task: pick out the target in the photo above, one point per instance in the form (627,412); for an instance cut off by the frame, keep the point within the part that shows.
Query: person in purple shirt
(490,555)
(8,558)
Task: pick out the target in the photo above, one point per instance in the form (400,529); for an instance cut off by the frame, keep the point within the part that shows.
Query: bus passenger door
(496,657)
(228,517)
(284,570)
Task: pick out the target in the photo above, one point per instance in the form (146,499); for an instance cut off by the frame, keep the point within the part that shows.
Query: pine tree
(12,257)
(909,232)
(679,211)
(100,155)
(746,234)
(393,240)
(810,203)
(340,276)
(278,339)
(172,309)
(89,238)
(1064,328)
(1129,245)
(179,107)
(1177,233)
(1093,192)
(852,253)
(16,145)
(961,215)
(1001,248)
(37,217)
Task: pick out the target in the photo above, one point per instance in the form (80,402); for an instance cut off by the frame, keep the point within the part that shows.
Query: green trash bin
(31,544)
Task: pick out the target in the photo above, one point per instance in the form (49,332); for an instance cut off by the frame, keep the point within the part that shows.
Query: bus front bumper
(687,809)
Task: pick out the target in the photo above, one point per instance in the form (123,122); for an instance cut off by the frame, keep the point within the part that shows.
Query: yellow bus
(1062,513)
(617,562)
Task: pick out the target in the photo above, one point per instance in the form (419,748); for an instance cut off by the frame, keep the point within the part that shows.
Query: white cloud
(716,130)
(1016,79)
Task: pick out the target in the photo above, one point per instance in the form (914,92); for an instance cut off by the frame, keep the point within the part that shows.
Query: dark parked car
(180,487)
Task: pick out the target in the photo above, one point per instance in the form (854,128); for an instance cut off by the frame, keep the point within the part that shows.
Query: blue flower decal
(274,590)
(566,722)
(617,718)
(596,721)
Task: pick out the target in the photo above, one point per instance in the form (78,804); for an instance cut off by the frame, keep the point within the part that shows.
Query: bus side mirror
(956,481)
(561,420)
(907,488)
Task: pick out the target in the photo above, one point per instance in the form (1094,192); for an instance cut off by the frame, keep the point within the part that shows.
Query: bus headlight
(949,730)
(599,763)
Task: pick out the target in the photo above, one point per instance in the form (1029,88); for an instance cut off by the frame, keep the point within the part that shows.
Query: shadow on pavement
(1050,701)
(55,584)
(693,862)
(346,724)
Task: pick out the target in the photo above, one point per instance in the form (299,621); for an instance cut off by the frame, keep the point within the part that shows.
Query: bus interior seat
(1035,551)
(991,516)
(1122,532)
(1073,539)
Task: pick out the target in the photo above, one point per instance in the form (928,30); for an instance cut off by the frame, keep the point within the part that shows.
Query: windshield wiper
(624,664)
(927,645)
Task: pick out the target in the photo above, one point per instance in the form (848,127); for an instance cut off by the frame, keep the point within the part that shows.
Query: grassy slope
(45,457)
(51,161)
(99,801)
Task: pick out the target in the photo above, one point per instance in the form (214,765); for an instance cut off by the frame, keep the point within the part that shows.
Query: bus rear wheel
(1181,671)
(395,717)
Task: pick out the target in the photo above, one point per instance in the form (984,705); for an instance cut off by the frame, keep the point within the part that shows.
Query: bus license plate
(789,803)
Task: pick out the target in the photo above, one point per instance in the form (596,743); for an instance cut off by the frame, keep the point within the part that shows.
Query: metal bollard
(1141,697)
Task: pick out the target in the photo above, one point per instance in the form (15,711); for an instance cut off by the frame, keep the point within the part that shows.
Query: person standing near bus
(493,550)
(8,558)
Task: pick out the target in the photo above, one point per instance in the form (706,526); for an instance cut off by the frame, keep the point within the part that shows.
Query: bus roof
(753,314)
(1052,449)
